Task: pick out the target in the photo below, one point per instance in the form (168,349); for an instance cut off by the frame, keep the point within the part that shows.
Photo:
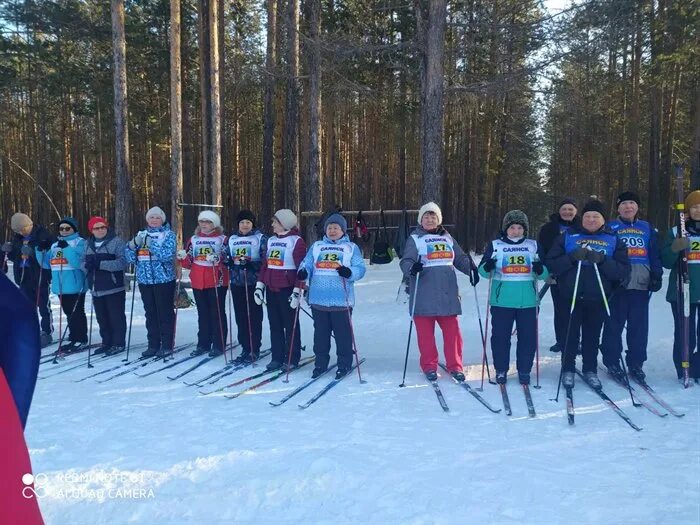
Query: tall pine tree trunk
(121,122)
(176,177)
(312,184)
(268,153)
(290,163)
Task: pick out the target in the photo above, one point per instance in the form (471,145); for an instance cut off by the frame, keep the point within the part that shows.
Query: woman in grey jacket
(433,254)
(104,264)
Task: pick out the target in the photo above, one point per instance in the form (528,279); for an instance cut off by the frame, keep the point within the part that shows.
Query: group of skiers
(601,274)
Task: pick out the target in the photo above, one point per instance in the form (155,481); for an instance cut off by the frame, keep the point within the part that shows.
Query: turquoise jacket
(67,277)
(511,294)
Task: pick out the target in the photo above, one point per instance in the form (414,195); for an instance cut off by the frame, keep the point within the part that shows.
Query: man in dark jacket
(28,252)
(559,222)
(630,305)
(580,256)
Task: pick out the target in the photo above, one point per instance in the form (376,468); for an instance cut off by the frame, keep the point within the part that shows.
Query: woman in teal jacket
(513,265)
(68,282)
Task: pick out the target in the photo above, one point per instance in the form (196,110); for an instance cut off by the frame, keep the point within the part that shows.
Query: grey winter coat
(438,293)
(109,277)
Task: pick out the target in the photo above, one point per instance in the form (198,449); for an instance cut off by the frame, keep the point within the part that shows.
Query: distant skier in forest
(629,305)
(332,265)
(673,246)
(513,263)
(573,260)
(429,261)
(559,222)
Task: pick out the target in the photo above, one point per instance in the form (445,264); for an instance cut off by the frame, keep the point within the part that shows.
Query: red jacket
(275,280)
(204,277)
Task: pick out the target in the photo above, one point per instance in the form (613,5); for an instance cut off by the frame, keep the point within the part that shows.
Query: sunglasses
(64,228)
(99,228)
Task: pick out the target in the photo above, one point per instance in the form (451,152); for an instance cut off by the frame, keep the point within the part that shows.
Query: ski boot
(556,347)
(501,377)
(637,373)
(46,339)
(149,352)
(431,375)
(617,374)
(318,372)
(164,352)
(592,379)
(72,347)
(567,379)
(215,352)
(458,375)
(114,350)
(341,372)
(201,349)
(524,378)
(103,349)
(273,365)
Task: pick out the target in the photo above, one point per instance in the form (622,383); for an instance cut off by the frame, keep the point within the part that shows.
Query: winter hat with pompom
(208,215)
(430,206)
(515,217)
(286,218)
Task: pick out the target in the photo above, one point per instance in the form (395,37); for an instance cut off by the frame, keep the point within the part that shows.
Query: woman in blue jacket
(152,250)
(68,282)
(332,265)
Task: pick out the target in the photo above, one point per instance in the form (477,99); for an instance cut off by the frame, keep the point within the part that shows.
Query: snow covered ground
(150,450)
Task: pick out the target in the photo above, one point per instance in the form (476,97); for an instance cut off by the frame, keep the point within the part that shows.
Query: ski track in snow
(372,453)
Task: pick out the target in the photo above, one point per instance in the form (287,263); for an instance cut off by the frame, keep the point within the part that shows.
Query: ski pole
(177,309)
(291,343)
(537,338)
(410,330)
(131,314)
(230,317)
(607,310)
(352,331)
(568,329)
(92,311)
(218,311)
(481,329)
(60,312)
(484,356)
(41,275)
(253,356)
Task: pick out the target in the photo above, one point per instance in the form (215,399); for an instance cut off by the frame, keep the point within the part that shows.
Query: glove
(655,282)
(7,247)
(296,298)
(44,245)
(240,262)
(91,263)
(579,254)
(416,268)
(538,267)
(344,271)
(213,258)
(474,276)
(680,244)
(105,257)
(259,293)
(28,251)
(181,255)
(62,243)
(489,265)
(302,274)
(595,257)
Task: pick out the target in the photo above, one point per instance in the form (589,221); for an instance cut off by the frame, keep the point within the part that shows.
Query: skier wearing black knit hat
(573,260)
(630,305)
(245,250)
(559,222)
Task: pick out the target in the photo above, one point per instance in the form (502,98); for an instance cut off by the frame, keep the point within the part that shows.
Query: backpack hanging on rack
(382,253)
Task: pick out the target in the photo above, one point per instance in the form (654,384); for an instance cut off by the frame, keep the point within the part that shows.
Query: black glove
(538,267)
(62,243)
(595,257)
(91,263)
(302,274)
(44,245)
(416,268)
(579,254)
(7,247)
(27,250)
(344,271)
(105,257)
(489,265)
(474,276)
(241,262)
(655,282)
